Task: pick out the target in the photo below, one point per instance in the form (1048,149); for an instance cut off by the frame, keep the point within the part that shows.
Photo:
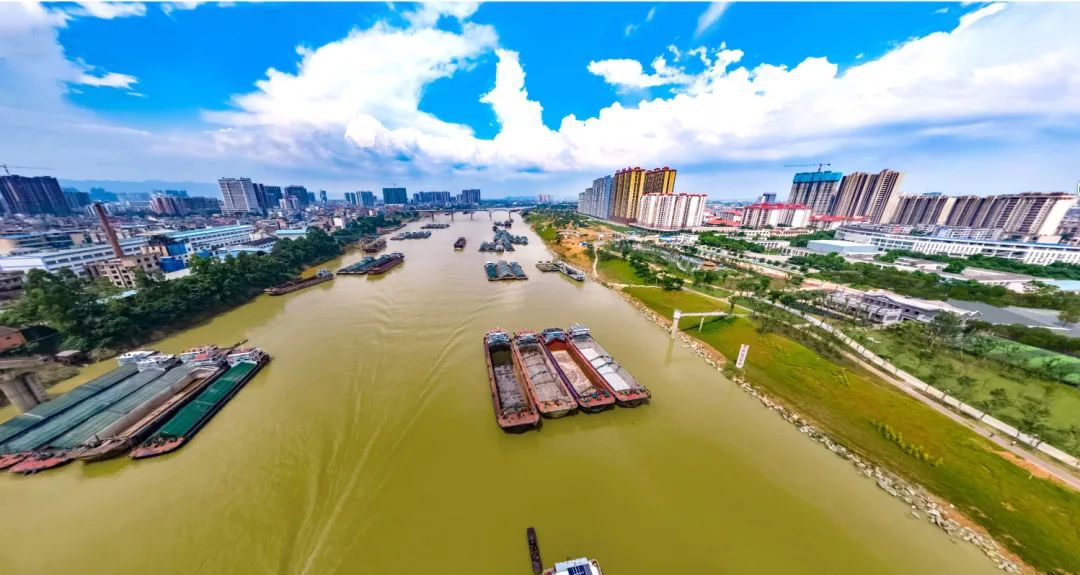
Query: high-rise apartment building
(322,197)
(815,190)
(38,195)
(670,212)
(628,186)
(471,196)
(660,181)
(873,196)
(601,199)
(273,196)
(775,215)
(299,195)
(395,196)
(239,196)
(76,199)
(923,209)
(366,199)
(351,199)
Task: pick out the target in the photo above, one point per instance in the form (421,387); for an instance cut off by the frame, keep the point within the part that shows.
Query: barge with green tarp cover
(43,412)
(41,436)
(182,426)
(111,420)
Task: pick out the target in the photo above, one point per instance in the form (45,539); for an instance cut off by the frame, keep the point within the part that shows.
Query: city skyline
(489,110)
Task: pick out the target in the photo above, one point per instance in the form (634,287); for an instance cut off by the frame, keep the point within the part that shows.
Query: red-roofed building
(775,215)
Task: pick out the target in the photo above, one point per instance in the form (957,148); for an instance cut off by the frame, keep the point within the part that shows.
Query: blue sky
(541,98)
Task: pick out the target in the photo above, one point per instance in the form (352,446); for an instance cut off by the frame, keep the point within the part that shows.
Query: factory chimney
(115,243)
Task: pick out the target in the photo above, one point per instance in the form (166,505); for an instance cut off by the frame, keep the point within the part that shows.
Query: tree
(965,386)
(998,400)
(1070,314)
(1033,415)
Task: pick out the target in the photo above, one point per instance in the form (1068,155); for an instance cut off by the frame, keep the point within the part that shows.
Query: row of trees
(835,268)
(91,316)
(1056,270)
(729,243)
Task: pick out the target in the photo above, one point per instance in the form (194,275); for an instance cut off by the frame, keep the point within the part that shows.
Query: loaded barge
(434,226)
(628,392)
(460,243)
(181,427)
(373,265)
(504,270)
(412,236)
(589,389)
(322,276)
(548,392)
(373,246)
(513,410)
(33,445)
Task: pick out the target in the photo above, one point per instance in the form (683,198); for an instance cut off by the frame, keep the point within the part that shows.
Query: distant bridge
(471,211)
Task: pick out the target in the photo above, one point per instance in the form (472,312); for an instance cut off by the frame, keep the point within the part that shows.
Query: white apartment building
(670,212)
(1030,253)
(239,196)
(776,215)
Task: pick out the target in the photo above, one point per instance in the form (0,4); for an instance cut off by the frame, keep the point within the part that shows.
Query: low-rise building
(775,215)
(841,247)
(121,272)
(886,307)
(75,258)
(1027,252)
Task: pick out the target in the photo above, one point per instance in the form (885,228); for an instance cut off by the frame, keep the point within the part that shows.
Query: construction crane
(8,170)
(819,166)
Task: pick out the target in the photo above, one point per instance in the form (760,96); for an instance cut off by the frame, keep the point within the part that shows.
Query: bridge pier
(23,390)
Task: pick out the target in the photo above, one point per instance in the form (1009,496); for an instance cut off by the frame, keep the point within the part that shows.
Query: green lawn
(1037,519)
(618,270)
(947,365)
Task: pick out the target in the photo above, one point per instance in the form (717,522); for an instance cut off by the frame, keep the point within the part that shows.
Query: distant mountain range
(145,187)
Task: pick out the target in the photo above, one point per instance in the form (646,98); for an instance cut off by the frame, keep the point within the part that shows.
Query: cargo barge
(534,551)
(322,276)
(628,392)
(130,412)
(548,392)
(34,442)
(570,272)
(590,390)
(503,270)
(386,263)
(460,243)
(43,412)
(178,430)
(547,266)
(411,236)
(192,379)
(373,246)
(434,226)
(513,410)
(358,268)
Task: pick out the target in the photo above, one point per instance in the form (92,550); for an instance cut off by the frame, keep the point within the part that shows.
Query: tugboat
(579,566)
(513,409)
(460,243)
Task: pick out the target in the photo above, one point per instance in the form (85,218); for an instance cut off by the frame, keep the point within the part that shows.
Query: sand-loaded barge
(504,270)
(412,236)
(322,276)
(548,391)
(178,430)
(373,265)
(460,243)
(513,409)
(434,226)
(628,392)
(589,389)
(372,246)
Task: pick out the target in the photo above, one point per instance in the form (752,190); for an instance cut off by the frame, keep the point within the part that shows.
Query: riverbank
(839,407)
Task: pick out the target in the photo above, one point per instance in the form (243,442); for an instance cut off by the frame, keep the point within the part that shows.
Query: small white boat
(579,566)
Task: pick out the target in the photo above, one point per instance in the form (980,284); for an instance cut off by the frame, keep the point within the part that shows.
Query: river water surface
(369,445)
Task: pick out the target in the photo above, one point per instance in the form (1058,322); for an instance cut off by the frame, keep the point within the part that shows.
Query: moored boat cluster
(150,404)
(553,374)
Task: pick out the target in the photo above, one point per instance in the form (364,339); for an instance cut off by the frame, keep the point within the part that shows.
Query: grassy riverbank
(1035,518)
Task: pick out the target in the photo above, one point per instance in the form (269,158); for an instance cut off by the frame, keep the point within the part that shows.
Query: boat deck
(191,416)
(45,411)
(511,395)
(581,382)
(157,391)
(544,381)
(43,434)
